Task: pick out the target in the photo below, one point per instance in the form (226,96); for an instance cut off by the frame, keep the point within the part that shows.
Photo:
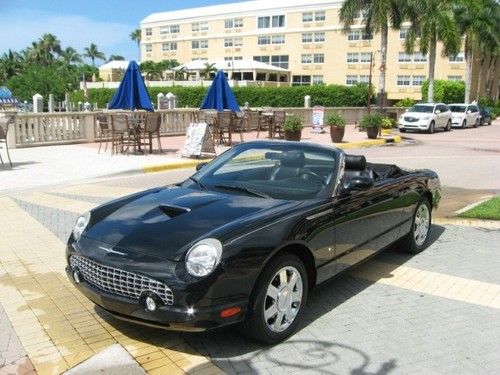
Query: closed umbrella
(220,96)
(132,92)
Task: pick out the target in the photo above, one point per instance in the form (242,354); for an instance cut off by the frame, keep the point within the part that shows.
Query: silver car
(426,117)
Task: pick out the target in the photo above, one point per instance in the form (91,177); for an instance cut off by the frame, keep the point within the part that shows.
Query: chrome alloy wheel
(283,299)
(421,224)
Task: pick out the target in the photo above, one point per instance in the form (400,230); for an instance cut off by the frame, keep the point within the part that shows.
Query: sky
(77,23)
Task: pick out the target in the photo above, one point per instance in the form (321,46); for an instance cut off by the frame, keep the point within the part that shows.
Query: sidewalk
(51,165)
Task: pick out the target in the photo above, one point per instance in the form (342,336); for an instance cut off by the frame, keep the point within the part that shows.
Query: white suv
(464,115)
(427,117)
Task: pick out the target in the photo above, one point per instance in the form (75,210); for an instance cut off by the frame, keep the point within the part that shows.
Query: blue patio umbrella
(220,96)
(132,92)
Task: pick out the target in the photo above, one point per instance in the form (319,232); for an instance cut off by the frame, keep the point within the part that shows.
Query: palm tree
(208,69)
(70,56)
(50,44)
(380,15)
(116,58)
(92,52)
(10,64)
(136,36)
(477,25)
(180,73)
(432,21)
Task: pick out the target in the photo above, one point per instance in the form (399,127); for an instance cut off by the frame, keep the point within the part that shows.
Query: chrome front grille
(411,119)
(116,281)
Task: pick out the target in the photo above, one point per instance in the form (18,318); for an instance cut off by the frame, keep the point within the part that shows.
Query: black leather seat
(290,165)
(355,165)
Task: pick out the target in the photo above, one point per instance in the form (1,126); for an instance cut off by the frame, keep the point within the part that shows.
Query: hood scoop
(173,211)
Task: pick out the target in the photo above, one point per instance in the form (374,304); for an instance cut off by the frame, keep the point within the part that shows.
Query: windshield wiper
(197,182)
(243,189)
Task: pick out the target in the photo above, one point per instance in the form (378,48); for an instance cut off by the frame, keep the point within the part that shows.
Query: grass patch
(489,210)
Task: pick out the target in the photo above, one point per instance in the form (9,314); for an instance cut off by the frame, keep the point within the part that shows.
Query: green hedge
(287,96)
(445,91)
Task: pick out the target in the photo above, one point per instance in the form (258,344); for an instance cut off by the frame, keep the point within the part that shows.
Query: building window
(320,15)
(263,40)
(233,42)
(365,57)
(454,78)
(404,57)
(301,80)
(148,47)
(364,79)
(306,58)
(233,23)
(419,57)
(233,58)
(418,80)
(403,81)
(238,42)
(199,44)
(307,16)
(351,80)
(403,33)
(149,31)
(280,61)
(170,29)
(228,42)
(352,57)
(263,59)
(353,35)
(319,37)
(318,80)
(307,37)
(271,21)
(170,46)
(199,26)
(319,58)
(457,58)
(278,39)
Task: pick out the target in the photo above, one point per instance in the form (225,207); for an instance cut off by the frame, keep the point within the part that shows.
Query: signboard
(198,140)
(163,102)
(318,116)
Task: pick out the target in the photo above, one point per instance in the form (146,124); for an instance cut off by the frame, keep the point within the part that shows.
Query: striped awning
(6,96)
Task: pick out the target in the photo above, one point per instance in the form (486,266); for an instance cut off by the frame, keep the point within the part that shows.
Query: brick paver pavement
(437,312)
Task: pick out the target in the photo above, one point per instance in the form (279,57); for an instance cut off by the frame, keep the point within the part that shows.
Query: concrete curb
(490,224)
(193,163)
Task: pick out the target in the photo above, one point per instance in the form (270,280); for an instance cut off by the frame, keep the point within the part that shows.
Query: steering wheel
(306,173)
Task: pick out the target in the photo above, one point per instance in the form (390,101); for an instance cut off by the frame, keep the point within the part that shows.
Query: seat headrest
(292,159)
(355,162)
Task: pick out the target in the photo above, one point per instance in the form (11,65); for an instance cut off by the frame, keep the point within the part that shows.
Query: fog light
(227,313)
(76,276)
(150,303)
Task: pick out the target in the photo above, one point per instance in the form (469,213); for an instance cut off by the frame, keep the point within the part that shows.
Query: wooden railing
(37,129)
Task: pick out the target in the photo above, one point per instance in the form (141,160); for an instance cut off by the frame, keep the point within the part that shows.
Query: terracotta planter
(372,132)
(293,135)
(337,133)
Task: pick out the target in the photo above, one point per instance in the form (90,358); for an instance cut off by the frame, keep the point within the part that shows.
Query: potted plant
(337,127)
(386,125)
(371,122)
(292,128)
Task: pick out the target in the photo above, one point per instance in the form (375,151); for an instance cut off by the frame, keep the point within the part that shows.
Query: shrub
(405,103)
(371,120)
(387,123)
(292,123)
(335,119)
(446,91)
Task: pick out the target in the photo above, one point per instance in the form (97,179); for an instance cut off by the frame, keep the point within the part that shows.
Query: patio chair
(152,125)
(123,134)
(265,120)
(252,120)
(4,128)
(105,131)
(223,127)
(278,121)
(238,123)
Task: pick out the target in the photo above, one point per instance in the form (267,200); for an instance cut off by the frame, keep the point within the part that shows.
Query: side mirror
(437,111)
(469,111)
(359,183)
(200,165)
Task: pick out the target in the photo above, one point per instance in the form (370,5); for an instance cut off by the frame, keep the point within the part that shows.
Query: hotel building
(304,37)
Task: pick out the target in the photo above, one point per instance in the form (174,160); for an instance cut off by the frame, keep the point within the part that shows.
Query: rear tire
(416,241)
(448,126)
(431,127)
(278,300)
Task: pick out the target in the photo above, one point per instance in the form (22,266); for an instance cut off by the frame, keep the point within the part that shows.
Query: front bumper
(417,125)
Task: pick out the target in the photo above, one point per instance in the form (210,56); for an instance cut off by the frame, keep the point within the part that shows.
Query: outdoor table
(137,124)
(268,119)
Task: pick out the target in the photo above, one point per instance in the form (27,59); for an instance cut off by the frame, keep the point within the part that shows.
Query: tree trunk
(479,76)
(490,76)
(432,66)
(383,60)
(468,69)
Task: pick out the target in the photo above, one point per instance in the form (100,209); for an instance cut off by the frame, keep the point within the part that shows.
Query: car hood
(166,222)
(416,114)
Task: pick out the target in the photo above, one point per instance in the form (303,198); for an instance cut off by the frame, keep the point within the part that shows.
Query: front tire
(476,123)
(416,240)
(448,126)
(431,127)
(278,300)
(464,124)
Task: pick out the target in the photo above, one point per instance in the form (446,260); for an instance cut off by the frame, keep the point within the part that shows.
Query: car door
(366,221)
(474,114)
(438,116)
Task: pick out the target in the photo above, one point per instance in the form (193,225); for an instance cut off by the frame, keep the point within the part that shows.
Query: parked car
(464,115)
(485,116)
(427,117)
(247,237)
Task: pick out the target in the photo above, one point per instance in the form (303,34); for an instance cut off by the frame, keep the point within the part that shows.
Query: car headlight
(81,224)
(203,257)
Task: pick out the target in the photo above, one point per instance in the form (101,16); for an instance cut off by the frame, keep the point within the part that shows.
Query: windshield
(457,108)
(270,170)
(421,108)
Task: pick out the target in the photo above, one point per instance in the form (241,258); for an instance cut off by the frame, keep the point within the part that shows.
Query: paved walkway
(50,165)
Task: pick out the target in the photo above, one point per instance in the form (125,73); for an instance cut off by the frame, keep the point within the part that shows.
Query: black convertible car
(246,238)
